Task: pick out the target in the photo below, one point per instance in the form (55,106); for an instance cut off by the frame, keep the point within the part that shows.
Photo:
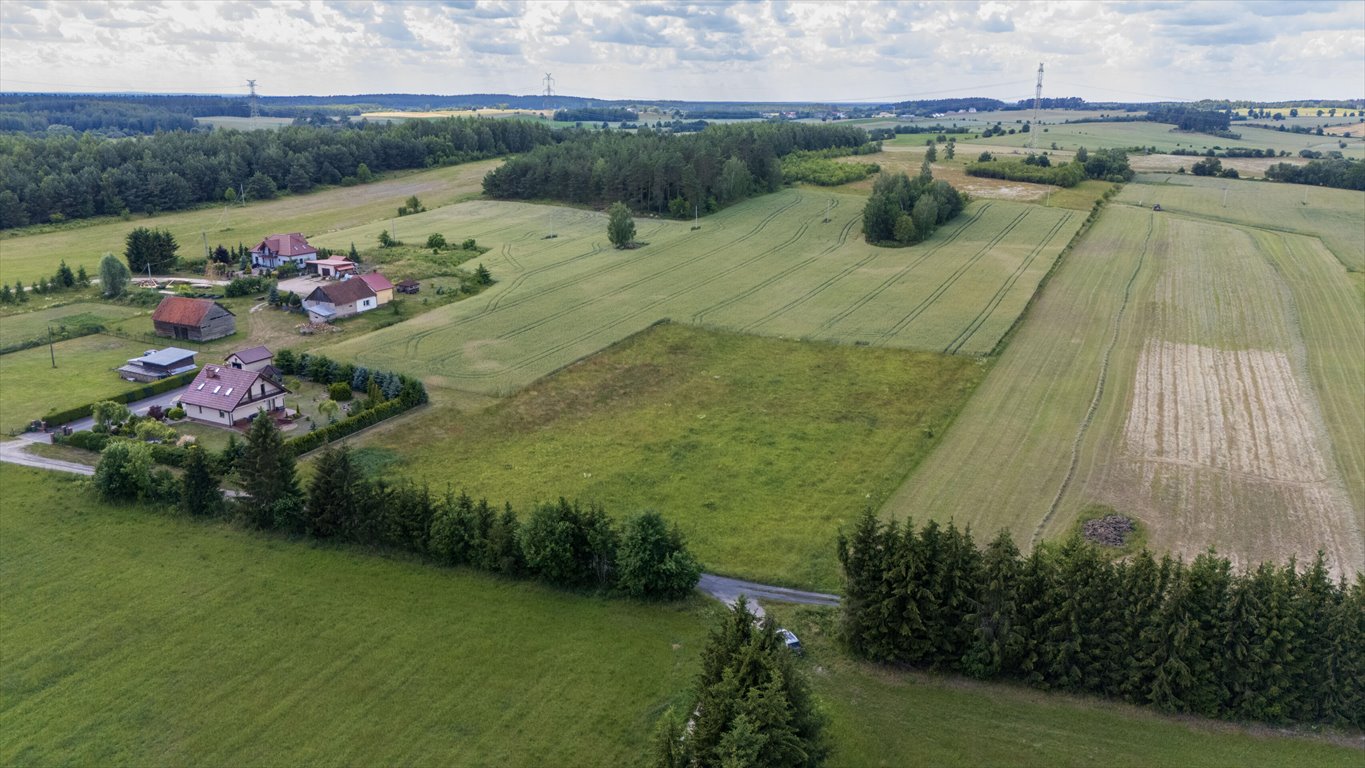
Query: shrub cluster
(1269,644)
(817,168)
(347,426)
(61,280)
(246,286)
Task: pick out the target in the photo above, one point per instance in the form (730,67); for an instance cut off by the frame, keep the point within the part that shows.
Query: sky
(769,50)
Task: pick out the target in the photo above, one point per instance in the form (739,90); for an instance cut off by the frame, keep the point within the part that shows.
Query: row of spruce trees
(753,706)
(559,543)
(1273,643)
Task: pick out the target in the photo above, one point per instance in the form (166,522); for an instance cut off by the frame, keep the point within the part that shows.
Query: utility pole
(50,349)
(255,103)
(1037,102)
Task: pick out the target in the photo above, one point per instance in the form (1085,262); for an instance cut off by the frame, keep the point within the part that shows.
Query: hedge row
(162,453)
(317,438)
(155,388)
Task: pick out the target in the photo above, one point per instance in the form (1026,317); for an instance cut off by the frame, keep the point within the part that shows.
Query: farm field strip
(747,268)
(26,326)
(1199,375)
(84,374)
(1163,136)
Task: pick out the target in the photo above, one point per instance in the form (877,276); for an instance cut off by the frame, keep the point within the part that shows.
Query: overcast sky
(769,51)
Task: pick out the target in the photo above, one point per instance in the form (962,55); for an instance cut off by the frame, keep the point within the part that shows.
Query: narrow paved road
(728,591)
(724,589)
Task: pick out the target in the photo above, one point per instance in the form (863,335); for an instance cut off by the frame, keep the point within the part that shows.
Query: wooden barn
(179,317)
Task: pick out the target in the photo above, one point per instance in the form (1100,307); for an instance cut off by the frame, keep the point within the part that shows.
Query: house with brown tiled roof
(278,250)
(333,301)
(227,396)
(180,317)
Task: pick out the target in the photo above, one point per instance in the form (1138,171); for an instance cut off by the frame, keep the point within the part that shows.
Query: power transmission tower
(255,103)
(549,89)
(1037,102)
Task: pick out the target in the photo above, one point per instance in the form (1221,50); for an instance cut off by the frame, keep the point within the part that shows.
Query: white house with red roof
(225,396)
(278,250)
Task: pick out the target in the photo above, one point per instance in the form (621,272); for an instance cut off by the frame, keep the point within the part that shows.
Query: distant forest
(55,178)
(1339,173)
(664,172)
(596,115)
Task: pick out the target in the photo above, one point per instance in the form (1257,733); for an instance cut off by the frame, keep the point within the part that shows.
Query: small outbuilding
(229,396)
(408,286)
(157,364)
(251,359)
(383,289)
(334,266)
(180,317)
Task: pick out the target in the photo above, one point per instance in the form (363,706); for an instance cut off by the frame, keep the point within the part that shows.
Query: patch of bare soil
(1226,446)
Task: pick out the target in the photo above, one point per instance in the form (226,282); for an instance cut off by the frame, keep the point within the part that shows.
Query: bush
(340,391)
(652,560)
(305,443)
(247,286)
(175,414)
(124,471)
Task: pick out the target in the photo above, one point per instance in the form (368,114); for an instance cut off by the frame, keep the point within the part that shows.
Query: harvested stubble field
(1203,377)
(769,266)
(29,257)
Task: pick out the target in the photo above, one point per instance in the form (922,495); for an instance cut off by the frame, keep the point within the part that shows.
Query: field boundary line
(1117,326)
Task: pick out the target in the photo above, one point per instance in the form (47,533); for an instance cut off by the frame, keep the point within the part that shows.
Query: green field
(31,256)
(132,638)
(886,717)
(137,638)
(26,326)
(1161,136)
(1206,378)
(759,448)
(30,387)
(768,266)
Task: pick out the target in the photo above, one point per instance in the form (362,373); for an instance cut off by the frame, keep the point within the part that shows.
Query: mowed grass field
(30,387)
(1160,135)
(29,257)
(138,638)
(768,266)
(132,638)
(26,326)
(1205,377)
(758,448)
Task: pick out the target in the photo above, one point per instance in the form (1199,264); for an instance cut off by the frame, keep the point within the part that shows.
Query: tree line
(596,115)
(54,178)
(558,543)
(1104,164)
(1333,172)
(648,170)
(1273,643)
(42,114)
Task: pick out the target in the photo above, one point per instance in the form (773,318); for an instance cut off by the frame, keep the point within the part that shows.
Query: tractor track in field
(948,282)
(961,340)
(1117,327)
(509,258)
(698,317)
(890,281)
(822,285)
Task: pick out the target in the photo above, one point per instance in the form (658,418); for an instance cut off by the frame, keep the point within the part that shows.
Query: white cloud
(765,49)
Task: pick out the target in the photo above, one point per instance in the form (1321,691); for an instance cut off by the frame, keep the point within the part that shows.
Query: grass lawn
(884,717)
(30,387)
(759,448)
(26,326)
(136,638)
